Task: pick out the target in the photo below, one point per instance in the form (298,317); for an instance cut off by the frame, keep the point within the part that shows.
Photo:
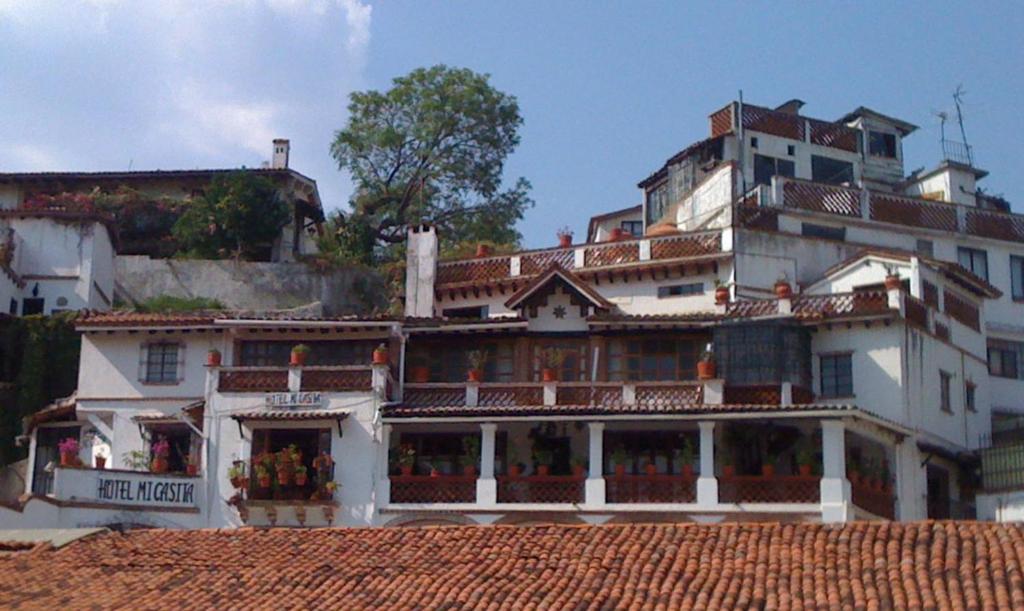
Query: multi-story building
(801,333)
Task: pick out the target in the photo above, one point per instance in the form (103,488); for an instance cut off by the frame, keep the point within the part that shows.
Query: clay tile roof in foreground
(933,565)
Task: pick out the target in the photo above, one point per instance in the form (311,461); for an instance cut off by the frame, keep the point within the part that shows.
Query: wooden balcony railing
(541,489)
(337,378)
(769,489)
(314,378)
(433,489)
(657,488)
(255,379)
(874,499)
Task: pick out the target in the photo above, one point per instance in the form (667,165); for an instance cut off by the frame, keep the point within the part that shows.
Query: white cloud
(214,124)
(357,18)
(31,157)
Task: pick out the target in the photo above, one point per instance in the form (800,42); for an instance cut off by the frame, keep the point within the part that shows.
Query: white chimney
(420,271)
(280,159)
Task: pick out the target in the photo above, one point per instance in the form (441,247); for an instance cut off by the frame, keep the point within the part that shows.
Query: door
(47,439)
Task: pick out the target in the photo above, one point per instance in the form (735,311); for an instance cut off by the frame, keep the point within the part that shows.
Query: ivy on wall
(38,364)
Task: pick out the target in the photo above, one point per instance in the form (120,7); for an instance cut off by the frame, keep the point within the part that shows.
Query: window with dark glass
(650,359)
(657,203)
(447,361)
(974,260)
(162,363)
(183,445)
(446,452)
(32,305)
(1017,277)
(945,386)
(969,400)
(925,247)
(472,312)
(1004,358)
(573,353)
(813,230)
(765,167)
(836,375)
(681,290)
(831,171)
(275,353)
(882,145)
(633,228)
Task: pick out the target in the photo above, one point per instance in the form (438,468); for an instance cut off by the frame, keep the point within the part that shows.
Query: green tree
(431,149)
(239,215)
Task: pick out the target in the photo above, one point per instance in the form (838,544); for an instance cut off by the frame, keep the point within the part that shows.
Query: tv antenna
(965,152)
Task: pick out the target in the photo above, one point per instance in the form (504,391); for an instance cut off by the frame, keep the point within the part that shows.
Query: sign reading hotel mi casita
(279,400)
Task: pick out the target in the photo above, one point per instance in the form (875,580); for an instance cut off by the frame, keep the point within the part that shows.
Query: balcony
(540,488)
(650,488)
(769,488)
(308,379)
(433,488)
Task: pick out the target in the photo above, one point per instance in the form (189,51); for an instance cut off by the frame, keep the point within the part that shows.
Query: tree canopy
(240,215)
(431,149)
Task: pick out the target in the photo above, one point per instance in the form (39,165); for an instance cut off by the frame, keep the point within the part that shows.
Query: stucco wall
(247,285)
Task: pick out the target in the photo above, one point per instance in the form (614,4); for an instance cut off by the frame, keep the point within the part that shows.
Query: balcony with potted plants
(284,487)
(770,463)
(298,375)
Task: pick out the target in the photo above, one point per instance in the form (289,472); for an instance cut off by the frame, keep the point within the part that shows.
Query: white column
(379,381)
(486,485)
(911,482)
(595,493)
(384,455)
(835,489)
(707,483)
(294,379)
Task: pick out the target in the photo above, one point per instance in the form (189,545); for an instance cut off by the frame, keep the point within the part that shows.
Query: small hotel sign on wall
(279,400)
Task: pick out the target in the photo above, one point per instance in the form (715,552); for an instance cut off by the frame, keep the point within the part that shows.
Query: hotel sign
(293,400)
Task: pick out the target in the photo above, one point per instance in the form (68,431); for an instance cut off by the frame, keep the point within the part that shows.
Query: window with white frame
(836,374)
(162,363)
(974,260)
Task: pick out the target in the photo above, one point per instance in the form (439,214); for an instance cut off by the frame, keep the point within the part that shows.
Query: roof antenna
(958,100)
(130,162)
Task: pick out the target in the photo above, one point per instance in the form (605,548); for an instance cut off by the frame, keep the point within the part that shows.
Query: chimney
(280,159)
(420,271)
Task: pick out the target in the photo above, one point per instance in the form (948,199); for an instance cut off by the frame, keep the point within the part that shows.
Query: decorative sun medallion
(559,311)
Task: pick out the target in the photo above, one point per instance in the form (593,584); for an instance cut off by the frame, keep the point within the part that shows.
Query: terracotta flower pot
(380,356)
(419,374)
(620,470)
(264,481)
(768,470)
(476,375)
(805,470)
(238,482)
(617,234)
(651,469)
(300,479)
(728,471)
(549,375)
(283,477)
(483,250)
(213,358)
(706,370)
(192,470)
(514,471)
(158,465)
(722,295)
(298,358)
(405,470)
(892,282)
(469,470)
(435,473)
(543,470)
(783,290)
(67,459)
(564,241)
(101,462)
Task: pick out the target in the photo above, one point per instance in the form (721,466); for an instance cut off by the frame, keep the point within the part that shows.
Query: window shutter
(181,362)
(143,354)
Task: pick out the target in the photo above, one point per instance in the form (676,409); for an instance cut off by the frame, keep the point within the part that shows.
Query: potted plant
(262,477)
(406,458)
(471,447)
(579,468)
(551,362)
(564,237)
(617,234)
(136,460)
(213,358)
(100,461)
(191,468)
(728,470)
(161,450)
(805,460)
(650,468)
(483,250)
(329,488)
(768,466)
(380,354)
(543,459)
(434,472)
(236,473)
(782,288)
(721,292)
(301,475)
(283,467)
(686,455)
(619,458)
(706,369)
(892,278)
(476,359)
(68,448)
(419,374)
(299,355)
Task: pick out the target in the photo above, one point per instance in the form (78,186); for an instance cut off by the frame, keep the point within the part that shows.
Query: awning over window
(292,415)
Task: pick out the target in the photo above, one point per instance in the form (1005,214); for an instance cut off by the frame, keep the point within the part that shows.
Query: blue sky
(608,90)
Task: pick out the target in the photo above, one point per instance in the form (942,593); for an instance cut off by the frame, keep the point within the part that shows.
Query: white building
(864,328)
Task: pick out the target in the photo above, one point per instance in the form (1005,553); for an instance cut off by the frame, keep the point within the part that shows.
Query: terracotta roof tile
(686,566)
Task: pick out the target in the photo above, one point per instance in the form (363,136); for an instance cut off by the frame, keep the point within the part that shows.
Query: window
(310,444)
(446,361)
(657,203)
(32,305)
(474,312)
(969,393)
(763,353)
(882,145)
(812,230)
(753,142)
(13,307)
(765,167)
(161,363)
(831,171)
(652,359)
(680,290)
(836,375)
(945,383)
(1004,358)
(183,444)
(574,359)
(974,260)
(633,228)
(275,353)
(1017,277)
(791,150)
(925,247)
